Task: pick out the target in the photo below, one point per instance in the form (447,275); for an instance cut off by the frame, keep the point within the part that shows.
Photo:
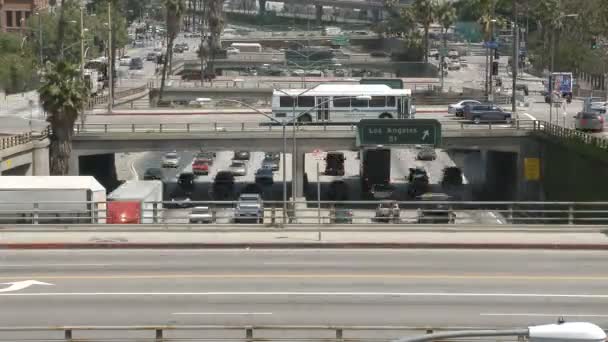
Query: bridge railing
(15,140)
(248,333)
(103,99)
(219,127)
(568,134)
(387,214)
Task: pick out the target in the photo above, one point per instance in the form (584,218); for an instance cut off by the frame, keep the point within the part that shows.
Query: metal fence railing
(568,134)
(227,127)
(103,99)
(181,211)
(248,333)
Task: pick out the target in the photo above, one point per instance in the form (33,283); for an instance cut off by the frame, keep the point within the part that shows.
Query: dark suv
(486,113)
(334,164)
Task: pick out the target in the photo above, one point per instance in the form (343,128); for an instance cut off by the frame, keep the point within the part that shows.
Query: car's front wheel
(477,120)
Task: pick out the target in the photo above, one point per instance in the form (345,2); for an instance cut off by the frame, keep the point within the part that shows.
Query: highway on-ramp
(304,287)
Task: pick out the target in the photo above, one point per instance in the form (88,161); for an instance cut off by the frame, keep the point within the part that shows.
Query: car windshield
(171,155)
(237,164)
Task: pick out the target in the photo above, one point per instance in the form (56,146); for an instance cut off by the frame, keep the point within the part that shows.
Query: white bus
(339,103)
(247,47)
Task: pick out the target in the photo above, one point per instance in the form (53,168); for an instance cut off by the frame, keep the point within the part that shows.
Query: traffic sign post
(399,132)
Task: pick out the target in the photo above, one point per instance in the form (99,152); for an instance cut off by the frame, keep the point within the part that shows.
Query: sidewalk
(46,239)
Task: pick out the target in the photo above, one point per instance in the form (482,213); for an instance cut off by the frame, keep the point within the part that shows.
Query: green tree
(174,10)
(17,65)
(62,95)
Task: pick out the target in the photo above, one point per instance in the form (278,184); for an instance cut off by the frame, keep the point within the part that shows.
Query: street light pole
(82,40)
(40,37)
(515,59)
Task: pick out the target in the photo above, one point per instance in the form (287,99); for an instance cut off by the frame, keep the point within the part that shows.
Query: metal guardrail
(248,333)
(103,99)
(571,134)
(362,213)
(189,127)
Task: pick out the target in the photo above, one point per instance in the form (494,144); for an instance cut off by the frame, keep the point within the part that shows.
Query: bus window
(390,101)
(358,103)
(377,101)
(285,101)
(344,102)
(306,101)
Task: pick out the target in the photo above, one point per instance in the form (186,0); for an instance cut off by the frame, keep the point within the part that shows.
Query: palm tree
(63,95)
(215,23)
(174,11)
(423,12)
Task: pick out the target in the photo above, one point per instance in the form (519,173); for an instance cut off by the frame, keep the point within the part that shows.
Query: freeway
(333,287)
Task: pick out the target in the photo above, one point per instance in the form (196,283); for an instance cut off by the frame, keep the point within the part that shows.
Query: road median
(301,239)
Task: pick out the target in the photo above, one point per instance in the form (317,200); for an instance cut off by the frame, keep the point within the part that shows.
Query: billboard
(562,82)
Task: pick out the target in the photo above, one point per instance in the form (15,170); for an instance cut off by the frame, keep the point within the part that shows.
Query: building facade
(14,13)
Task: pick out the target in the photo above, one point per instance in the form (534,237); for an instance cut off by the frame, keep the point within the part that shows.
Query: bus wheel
(385,116)
(305,118)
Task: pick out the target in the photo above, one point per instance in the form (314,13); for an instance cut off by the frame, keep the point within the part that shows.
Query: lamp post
(557,22)
(294,122)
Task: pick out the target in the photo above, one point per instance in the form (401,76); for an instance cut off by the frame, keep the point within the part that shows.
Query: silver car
(170,159)
(589,121)
(200,215)
(238,168)
(458,108)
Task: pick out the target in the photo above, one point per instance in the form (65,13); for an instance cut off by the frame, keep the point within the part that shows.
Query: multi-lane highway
(349,287)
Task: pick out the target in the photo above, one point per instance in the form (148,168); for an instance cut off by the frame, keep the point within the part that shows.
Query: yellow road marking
(517,277)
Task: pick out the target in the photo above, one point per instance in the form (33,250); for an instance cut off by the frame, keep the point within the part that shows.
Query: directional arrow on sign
(20,285)
(425,134)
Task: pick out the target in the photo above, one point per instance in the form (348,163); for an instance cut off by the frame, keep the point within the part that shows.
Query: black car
(418,182)
(270,164)
(180,200)
(264,176)
(223,186)
(186,181)
(136,64)
(153,173)
(241,155)
(338,191)
(272,156)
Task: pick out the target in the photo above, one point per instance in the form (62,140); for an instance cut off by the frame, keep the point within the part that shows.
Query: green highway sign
(340,40)
(373,132)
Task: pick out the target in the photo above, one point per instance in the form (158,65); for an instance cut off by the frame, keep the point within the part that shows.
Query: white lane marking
(224,313)
(541,315)
(20,285)
(306,294)
(529,116)
(133,171)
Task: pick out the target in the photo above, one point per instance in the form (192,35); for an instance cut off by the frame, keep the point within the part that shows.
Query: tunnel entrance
(102,167)
(501,177)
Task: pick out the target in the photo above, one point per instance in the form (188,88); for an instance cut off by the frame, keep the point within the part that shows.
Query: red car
(200,168)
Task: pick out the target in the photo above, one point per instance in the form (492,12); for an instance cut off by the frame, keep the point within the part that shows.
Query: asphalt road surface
(341,287)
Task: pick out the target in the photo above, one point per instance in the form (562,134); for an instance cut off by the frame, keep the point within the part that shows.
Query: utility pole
(110,59)
(82,40)
(40,37)
(492,51)
(515,60)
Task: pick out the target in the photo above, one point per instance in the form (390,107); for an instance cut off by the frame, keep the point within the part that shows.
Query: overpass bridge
(25,154)
(483,147)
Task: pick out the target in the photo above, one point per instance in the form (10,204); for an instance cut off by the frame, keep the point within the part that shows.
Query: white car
(238,168)
(458,108)
(125,60)
(170,159)
(232,51)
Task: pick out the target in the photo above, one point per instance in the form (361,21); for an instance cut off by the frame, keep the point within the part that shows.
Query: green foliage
(17,67)
(63,93)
